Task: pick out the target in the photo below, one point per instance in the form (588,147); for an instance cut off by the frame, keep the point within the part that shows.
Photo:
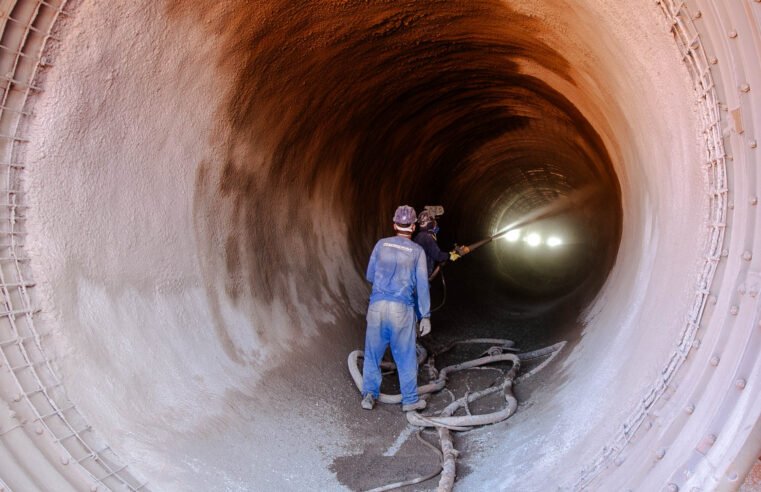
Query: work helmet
(426,220)
(405,215)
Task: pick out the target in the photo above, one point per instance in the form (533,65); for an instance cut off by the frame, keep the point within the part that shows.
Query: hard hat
(426,220)
(405,215)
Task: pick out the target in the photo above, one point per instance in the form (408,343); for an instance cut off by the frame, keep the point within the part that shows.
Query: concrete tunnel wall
(191,268)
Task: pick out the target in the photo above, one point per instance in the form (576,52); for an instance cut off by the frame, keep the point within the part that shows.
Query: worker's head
(427,221)
(404,220)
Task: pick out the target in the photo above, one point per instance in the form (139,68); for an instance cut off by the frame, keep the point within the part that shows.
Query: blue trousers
(391,323)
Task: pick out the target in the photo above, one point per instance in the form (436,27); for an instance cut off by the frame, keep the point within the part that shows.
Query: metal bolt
(672,487)
(618,461)
(753,144)
(64,460)
(705,444)
(712,299)
(689,409)
(18,397)
(733,477)
(660,453)
(731,205)
(12,414)
(725,252)
(713,60)
(733,34)
(745,88)
(94,488)
(734,310)
(754,200)
(740,383)
(39,430)
(697,15)
(747,255)
(714,360)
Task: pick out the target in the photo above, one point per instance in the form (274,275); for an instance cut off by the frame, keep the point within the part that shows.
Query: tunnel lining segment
(40,413)
(697,61)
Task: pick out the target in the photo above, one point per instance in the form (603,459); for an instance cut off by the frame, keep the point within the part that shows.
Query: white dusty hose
(431,387)
(464,422)
(356,375)
(446,421)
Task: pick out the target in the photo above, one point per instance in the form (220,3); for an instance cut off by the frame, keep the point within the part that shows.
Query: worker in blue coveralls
(399,275)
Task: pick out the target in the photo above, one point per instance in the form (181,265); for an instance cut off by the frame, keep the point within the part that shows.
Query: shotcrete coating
(193,189)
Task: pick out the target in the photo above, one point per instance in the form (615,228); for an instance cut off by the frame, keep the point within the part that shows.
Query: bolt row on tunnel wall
(191,190)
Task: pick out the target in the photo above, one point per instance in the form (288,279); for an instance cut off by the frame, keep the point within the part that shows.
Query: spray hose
(445,421)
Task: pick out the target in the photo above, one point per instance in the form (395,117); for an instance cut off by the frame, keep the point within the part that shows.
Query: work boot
(411,407)
(368,402)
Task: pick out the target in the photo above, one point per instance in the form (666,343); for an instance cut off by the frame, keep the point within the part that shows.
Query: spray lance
(562,204)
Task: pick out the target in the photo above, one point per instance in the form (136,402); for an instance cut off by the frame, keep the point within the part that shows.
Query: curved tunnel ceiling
(198,188)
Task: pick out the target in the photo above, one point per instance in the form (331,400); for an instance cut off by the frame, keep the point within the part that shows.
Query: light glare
(533,239)
(513,235)
(554,241)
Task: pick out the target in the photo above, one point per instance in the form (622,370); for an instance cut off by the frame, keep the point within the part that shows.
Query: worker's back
(396,266)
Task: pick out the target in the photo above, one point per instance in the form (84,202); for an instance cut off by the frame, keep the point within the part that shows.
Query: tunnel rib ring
(445,420)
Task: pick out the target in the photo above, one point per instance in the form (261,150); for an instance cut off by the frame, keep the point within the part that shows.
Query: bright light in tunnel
(513,235)
(533,239)
(554,241)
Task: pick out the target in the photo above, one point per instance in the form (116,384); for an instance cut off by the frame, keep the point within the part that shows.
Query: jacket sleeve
(370,275)
(421,282)
(440,255)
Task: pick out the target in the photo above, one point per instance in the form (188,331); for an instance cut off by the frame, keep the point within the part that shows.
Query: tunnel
(191,192)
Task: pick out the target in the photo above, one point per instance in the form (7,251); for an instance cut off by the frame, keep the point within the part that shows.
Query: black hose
(444,297)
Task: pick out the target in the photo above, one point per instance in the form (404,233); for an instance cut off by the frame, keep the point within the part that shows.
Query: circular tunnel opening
(360,109)
(339,115)
(261,154)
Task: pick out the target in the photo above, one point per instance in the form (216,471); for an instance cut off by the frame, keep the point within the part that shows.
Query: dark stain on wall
(349,108)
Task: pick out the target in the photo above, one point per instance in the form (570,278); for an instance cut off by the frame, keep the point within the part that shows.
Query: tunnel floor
(391,451)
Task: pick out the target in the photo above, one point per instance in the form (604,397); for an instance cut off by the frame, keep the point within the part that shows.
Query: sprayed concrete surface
(205,181)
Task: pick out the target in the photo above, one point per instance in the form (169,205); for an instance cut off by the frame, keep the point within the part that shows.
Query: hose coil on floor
(445,421)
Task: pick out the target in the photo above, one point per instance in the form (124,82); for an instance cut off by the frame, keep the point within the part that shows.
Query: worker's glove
(458,252)
(425,326)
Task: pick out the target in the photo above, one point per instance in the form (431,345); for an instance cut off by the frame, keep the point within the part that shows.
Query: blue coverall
(399,275)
